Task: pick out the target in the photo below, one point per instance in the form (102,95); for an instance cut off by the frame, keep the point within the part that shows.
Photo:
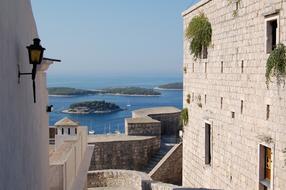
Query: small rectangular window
(221,102)
(75,130)
(241,106)
(62,131)
(193,97)
(193,67)
(206,67)
(267,112)
(205,99)
(207,143)
(271,34)
(69,131)
(242,66)
(221,67)
(232,114)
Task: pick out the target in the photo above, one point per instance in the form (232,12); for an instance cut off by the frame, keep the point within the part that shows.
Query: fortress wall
(235,71)
(123,153)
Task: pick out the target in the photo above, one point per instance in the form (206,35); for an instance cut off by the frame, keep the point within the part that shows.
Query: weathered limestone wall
(170,122)
(118,178)
(238,42)
(125,179)
(23,124)
(122,152)
(142,127)
(169,169)
(169,118)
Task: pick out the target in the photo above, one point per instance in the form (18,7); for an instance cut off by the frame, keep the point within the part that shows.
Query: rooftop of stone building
(113,138)
(195,6)
(141,120)
(59,156)
(156,110)
(66,122)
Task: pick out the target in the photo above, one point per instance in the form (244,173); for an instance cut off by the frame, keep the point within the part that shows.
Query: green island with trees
(172,86)
(91,107)
(131,91)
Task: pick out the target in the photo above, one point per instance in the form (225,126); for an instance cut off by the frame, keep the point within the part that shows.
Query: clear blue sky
(112,37)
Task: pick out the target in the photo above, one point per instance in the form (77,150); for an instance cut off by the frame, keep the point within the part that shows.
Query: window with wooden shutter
(265,167)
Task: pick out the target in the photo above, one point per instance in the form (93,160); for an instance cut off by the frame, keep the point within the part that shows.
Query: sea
(111,122)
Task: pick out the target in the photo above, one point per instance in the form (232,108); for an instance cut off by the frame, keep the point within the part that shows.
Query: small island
(126,91)
(66,91)
(92,107)
(171,86)
(132,91)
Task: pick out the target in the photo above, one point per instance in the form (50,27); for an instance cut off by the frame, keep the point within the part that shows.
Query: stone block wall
(137,127)
(123,154)
(170,123)
(125,179)
(169,169)
(234,72)
(169,118)
(118,178)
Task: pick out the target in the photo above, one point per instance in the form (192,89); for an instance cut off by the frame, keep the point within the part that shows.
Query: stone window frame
(266,20)
(260,172)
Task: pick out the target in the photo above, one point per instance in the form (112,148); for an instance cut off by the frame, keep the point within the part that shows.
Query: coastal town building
(236,134)
(24,156)
(69,157)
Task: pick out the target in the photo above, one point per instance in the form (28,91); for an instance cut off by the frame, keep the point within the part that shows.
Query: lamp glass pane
(35,55)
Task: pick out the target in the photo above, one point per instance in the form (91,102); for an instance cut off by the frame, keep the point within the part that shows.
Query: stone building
(23,123)
(235,137)
(69,157)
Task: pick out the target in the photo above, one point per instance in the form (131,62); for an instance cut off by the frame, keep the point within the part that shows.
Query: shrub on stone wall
(184,117)
(199,32)
(276,65)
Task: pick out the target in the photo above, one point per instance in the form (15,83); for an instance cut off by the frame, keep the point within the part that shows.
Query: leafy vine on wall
(199,32)
(276,65)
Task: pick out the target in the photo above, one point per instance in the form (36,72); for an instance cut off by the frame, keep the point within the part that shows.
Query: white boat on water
(91,132)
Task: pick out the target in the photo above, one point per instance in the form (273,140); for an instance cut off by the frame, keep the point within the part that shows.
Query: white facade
(229,93)
(23,124)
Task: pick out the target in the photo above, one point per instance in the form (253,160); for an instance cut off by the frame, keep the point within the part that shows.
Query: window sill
(265,182)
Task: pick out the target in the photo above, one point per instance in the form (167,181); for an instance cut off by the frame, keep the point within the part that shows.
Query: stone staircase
(166,145)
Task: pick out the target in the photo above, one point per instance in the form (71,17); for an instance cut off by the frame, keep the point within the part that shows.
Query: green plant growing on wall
(276,65)
(199,32)
(235,12)
(184,117)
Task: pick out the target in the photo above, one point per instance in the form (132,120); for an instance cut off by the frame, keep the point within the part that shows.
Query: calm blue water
(104,123)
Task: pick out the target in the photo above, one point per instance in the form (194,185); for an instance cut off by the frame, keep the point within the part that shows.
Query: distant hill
(172,86)
(132,91)
(66,91)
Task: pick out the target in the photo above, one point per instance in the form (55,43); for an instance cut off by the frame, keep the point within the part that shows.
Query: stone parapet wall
(142,119)
(126,179)
(169,169)
(170,123)
(118,178)
(234,98)
(136,127)
(124,152)
(165,186)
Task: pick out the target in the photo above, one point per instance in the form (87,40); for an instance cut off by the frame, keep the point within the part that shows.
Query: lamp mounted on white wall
(36,52)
